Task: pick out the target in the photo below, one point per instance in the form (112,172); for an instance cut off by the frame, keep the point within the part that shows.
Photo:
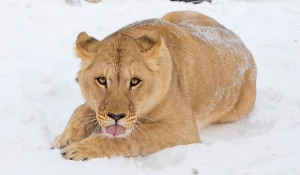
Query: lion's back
(213,62)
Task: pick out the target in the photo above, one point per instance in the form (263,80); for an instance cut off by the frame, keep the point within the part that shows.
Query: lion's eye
(134,82)
(101,80)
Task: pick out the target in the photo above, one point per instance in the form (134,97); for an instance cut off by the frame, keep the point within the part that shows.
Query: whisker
(91,125)
(87,122)
(141,130)
(135,132)
(149,119)
(140,123)
(126,137)
(96,129)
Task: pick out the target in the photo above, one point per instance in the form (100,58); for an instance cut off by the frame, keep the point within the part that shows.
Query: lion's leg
(237,105)
(145,139)
(244,104)
(80,126)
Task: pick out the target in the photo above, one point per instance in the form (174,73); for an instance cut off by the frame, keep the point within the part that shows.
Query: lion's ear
(86,47)
(150,42)
(152,45)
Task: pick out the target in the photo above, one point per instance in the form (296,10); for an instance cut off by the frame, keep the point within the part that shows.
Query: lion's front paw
(78,152)
(60,142)
(63,140)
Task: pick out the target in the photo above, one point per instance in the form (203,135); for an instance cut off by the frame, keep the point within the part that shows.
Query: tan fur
(193,71)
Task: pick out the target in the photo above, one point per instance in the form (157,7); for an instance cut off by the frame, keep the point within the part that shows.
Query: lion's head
(123,77)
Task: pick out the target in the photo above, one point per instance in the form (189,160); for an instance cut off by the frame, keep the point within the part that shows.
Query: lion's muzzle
(115,129)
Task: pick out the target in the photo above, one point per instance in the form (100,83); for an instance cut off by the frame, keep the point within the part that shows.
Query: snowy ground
(38,92)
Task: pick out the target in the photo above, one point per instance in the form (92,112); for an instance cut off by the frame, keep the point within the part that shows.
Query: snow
(38,91)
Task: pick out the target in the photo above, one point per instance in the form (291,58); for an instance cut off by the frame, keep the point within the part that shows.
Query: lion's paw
(77,152)
(62,141)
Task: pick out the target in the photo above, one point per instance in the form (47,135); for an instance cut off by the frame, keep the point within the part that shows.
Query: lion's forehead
(119,61)
(119,55)
(118,64)
(120,69)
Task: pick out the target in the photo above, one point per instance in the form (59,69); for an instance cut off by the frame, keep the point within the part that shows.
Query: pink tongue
(115,130)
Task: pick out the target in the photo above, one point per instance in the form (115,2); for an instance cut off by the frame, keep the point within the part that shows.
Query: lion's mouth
(115,130)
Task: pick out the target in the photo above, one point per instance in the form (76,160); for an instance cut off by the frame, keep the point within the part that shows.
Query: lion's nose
(116,117)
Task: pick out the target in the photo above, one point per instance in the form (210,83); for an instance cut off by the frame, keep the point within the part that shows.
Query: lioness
(154,83)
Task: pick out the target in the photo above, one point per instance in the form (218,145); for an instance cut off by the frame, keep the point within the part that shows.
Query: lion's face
(122,79)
